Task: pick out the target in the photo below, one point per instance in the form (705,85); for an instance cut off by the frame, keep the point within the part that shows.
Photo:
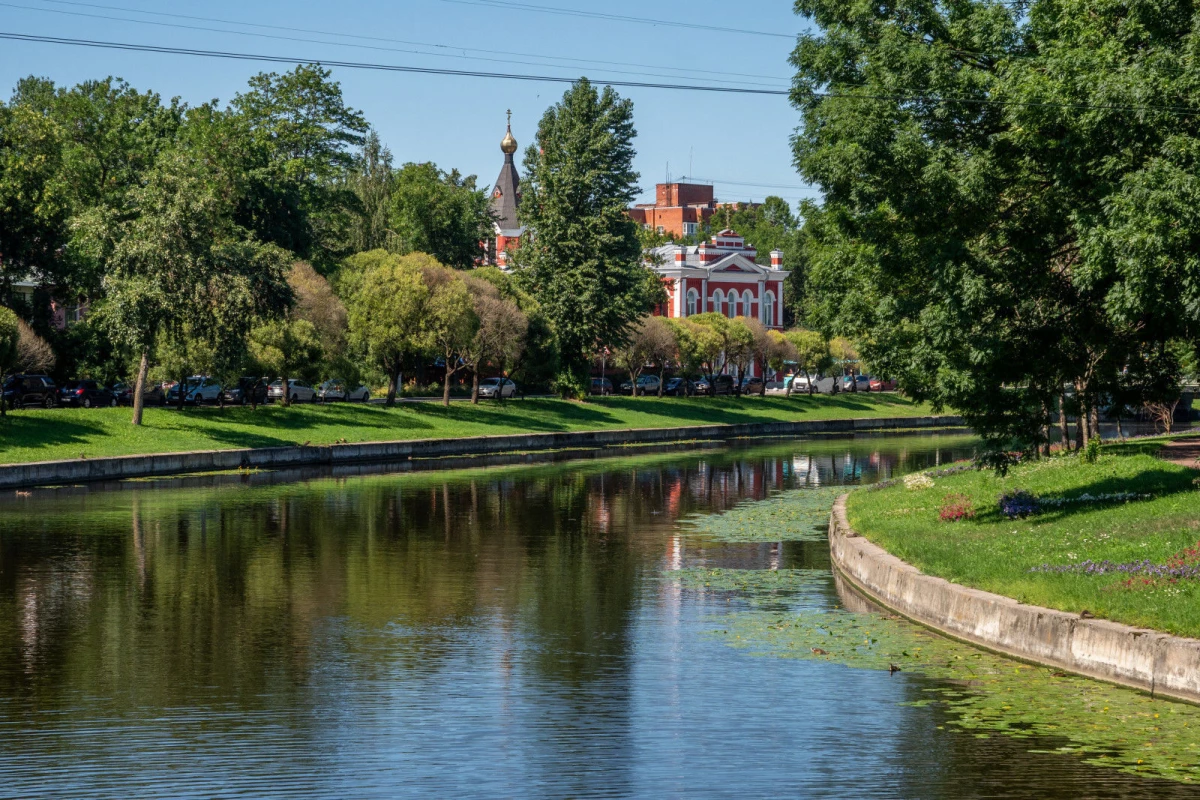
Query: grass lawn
(1040,559)
(42,435)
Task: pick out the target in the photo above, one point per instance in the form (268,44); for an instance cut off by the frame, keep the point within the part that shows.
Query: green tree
(9,351)
(372,184)
(711,343)
(780,352)
(812,354)
(451,323)
(285,346)
(500,338)
(583,259)
(439,213)
(389,310)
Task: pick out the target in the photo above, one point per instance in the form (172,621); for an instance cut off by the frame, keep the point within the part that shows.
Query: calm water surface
(505,632)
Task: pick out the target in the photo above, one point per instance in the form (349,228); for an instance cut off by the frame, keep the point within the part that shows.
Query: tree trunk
(475,387)
(661,370)
(393,385)
(633,378)
(182,389)
(1120,434)
(1045,429)
(446,384)
(139,387)
(1094,421)
(1064,429)
(810,383)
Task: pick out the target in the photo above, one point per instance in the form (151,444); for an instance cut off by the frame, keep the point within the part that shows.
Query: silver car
(198,389)
(497,387)
(340,390)
(298,391)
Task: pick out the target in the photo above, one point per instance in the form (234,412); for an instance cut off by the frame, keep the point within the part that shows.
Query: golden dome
(508,145)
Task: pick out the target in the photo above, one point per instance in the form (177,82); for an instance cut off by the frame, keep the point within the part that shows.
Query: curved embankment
(1136,657)
(77,470)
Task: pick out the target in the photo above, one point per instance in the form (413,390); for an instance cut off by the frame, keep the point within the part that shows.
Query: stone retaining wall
(42,473)
(1142,659)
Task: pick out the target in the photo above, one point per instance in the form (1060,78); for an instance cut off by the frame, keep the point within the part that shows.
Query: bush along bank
(1114,534)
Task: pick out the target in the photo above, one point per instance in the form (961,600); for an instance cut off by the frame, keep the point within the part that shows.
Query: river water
(502,632)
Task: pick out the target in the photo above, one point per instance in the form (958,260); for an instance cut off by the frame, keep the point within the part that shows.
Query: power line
(386,40)
(857,96)
(745,183)
(446,54)
(571,12)
(187,51)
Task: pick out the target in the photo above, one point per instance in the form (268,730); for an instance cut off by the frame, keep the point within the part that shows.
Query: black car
(601,386)
(85,393)
(679,387)
(152,394)
(713,385)
(248,390)
(29,390)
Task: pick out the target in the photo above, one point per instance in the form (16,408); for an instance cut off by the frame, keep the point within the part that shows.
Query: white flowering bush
(917,481)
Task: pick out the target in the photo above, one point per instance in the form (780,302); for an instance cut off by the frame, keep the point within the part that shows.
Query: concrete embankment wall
(44,473)
(1142,659)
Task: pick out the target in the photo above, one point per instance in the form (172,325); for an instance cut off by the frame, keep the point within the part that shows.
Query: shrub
(918,481)
(1018,504)
(956,507)
(1091,453)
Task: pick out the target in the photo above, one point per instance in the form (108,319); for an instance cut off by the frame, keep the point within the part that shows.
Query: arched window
(734,308)
(692,299)
(718,301)
(748,303)
(769,307)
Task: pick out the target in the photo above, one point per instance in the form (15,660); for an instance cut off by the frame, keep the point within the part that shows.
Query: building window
(748,303)
(692,299)
(718,301)
(769,307)
(661,230)
(689,228)
(733,304)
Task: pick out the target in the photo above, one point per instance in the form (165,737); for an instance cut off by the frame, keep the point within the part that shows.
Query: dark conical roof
(506,192)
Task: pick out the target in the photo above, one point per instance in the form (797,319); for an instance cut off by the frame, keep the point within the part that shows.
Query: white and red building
(720,275)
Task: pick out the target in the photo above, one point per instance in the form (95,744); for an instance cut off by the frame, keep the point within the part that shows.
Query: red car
(880,385)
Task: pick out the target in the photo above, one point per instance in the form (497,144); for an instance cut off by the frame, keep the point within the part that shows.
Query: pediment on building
(737,264)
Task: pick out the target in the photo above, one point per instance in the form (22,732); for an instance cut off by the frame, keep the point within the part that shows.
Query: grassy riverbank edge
(59,434)
(1112,539)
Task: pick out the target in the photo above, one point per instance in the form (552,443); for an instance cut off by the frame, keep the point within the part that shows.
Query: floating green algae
(793,516)
(755,585)
(986,694)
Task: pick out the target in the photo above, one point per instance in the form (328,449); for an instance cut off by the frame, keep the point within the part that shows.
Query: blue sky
(738,141)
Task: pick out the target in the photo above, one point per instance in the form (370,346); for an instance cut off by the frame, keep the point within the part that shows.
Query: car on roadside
(85,393)
(197,389)
(298,391)
(601,386)
(849,383)
(646,384)
(152,394)
(820,384)
(679,387)
(248,390)
(752,384)
(881,385)
(340,390)
(23,390)
(713,385)
(497,388)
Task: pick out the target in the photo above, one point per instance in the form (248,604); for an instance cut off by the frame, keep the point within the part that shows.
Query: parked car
(713,385)
(679,387)
(751,384)
(646,384)
(881,385)
(86,394)
(248,389)
(298,391)
(848,382)
(497,387)
(339,390)
(601,386)
(152,394)
(29,390)
(196,389)
(820,384)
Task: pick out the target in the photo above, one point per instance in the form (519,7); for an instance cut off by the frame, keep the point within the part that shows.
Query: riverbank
(46,435)
(1118,539)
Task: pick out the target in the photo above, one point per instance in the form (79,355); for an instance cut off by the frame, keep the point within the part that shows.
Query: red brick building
(679,209)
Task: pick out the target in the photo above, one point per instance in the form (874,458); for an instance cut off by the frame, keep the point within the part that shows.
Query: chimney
(776,259)
(706,253)
(680,256)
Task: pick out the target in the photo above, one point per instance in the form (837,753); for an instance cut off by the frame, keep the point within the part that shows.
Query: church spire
(508,145)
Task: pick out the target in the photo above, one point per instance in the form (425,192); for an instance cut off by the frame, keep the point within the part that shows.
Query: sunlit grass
(997,554)
(41,435)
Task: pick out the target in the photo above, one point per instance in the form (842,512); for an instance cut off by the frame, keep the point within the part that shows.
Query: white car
(298,391)
(199,389)
(497,387)
(337,390)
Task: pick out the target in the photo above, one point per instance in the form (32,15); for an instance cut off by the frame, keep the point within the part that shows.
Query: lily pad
(794,516)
